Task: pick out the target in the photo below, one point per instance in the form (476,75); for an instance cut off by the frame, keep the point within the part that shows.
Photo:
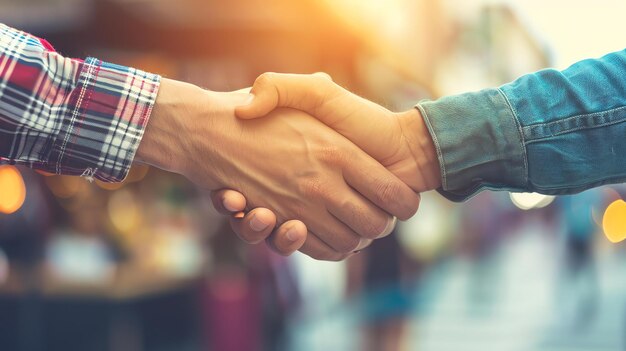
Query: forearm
(551,132)
(66,116)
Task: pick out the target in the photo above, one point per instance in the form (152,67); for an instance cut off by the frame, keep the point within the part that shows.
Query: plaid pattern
(67,116)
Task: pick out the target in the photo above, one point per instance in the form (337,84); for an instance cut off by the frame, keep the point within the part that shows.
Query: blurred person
(94,119)
(551,132)
(386,295)
(231,302)
(482,233)
(247,297)
(580,283)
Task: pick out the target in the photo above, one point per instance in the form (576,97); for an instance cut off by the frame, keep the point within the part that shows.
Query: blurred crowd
(147,264)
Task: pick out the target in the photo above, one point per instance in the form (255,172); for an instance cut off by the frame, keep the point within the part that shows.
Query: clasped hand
(330,198)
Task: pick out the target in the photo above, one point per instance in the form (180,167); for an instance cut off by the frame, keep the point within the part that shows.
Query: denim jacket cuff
(479,143)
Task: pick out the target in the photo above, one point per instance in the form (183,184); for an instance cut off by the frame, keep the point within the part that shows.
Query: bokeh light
(427,234)
(527,201)
(12,189)
(597,210)
(124,212)
(614,221)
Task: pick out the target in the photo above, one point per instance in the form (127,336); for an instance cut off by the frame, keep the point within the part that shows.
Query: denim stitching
(529,130)
(442,167)
(539,139)
(521,135)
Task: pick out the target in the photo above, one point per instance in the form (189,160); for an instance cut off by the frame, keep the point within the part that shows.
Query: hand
(288,162)
(400,141)
(258,224)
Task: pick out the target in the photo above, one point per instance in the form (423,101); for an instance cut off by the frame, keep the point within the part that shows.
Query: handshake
(301,162)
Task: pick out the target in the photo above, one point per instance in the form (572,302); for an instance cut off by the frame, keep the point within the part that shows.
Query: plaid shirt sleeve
(67,116)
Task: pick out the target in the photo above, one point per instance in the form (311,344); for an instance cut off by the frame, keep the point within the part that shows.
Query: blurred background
(148,265)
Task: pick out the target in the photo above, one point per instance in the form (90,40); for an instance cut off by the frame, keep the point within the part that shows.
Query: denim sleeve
(552,132)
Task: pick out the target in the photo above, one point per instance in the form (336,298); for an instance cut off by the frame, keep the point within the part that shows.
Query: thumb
(298,91)
(365,123)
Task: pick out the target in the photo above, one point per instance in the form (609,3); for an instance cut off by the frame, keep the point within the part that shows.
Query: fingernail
(292,235)
(229,207)
(257,225)
(391,224)
(248,100)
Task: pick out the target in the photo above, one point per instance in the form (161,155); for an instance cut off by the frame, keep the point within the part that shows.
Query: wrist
(191,132)
(163,144)
(422,147)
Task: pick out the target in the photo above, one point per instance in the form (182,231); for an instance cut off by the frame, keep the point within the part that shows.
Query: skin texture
(287,161)
(400,141)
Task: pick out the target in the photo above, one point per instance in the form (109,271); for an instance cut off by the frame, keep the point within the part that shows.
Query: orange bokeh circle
(12,189)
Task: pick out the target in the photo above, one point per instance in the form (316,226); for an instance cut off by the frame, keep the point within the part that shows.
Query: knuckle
(311,187)
(332,154)
(265,79)
(339,237)
(369,224)
(348,244)
(321,79)
(324,87)
(374,227)
(387,192)
(324,76)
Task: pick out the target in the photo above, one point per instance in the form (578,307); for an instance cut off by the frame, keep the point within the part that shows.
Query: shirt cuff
(479,143)
(111,106)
